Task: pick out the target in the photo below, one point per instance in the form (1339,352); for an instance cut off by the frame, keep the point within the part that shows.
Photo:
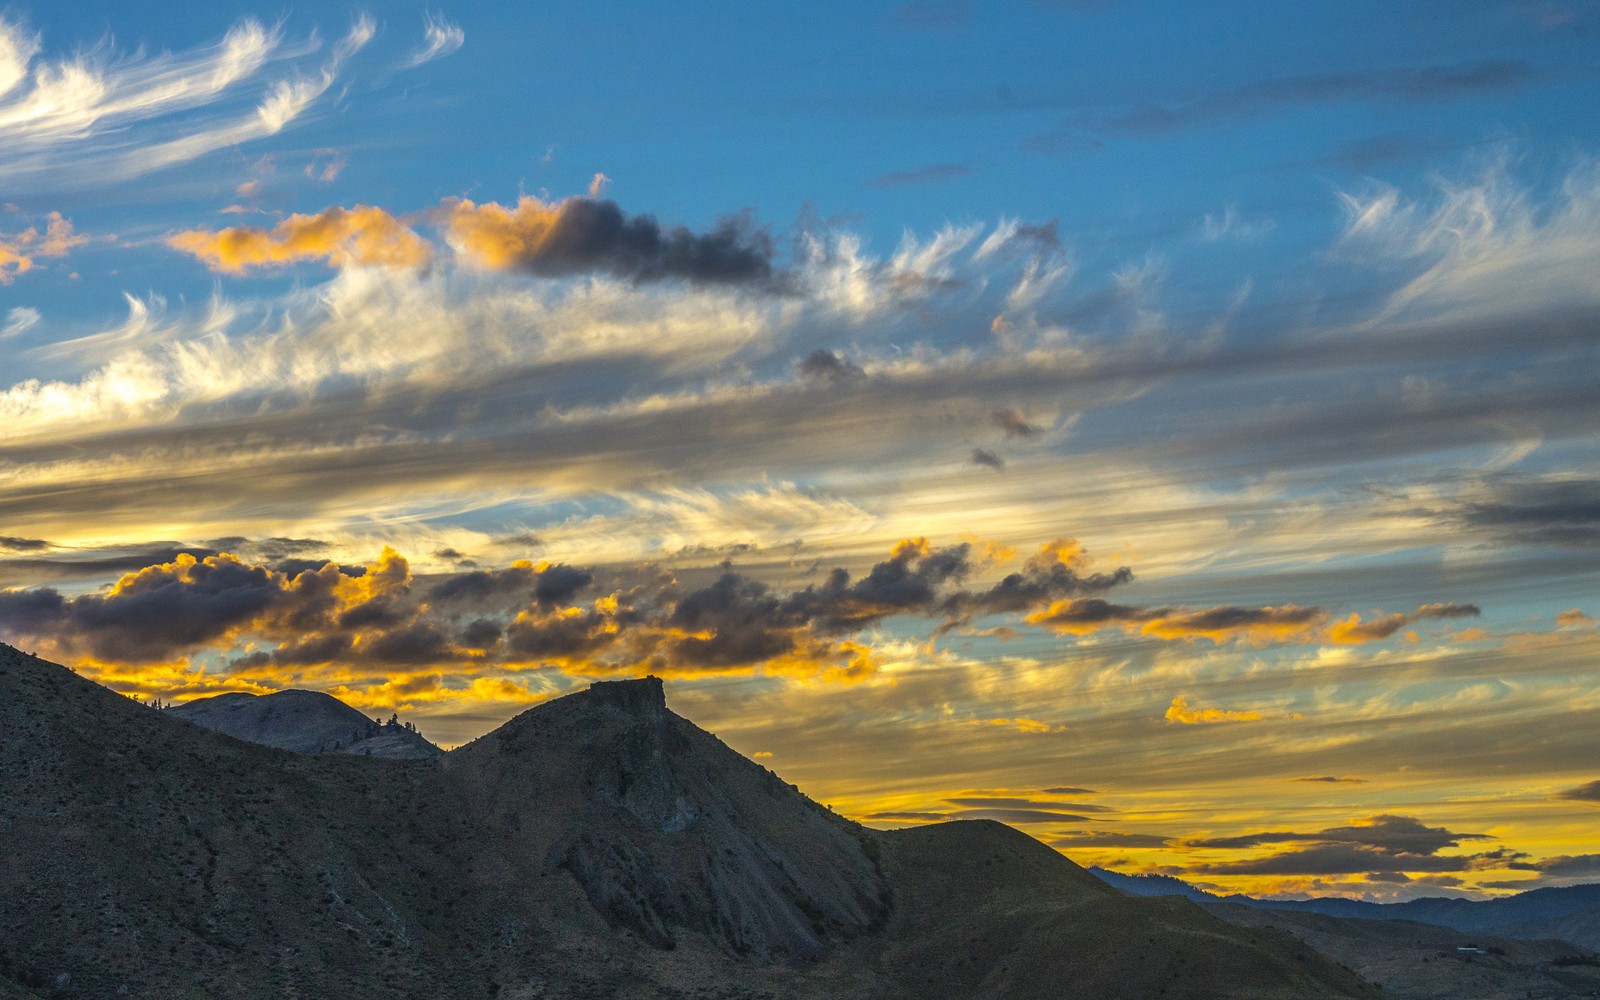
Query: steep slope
(304,722)
(596,846)
(664,827)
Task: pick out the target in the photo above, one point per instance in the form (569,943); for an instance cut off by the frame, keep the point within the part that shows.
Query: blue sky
(958,403)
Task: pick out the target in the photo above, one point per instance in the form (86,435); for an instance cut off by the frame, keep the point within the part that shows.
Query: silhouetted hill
(304,722)
(595,846)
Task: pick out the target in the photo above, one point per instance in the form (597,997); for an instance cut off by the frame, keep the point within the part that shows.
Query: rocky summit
(597,845)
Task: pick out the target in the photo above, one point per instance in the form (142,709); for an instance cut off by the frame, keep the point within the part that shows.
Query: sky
(1170,429)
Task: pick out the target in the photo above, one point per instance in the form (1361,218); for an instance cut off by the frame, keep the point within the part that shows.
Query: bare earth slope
(595,846)
(304,722)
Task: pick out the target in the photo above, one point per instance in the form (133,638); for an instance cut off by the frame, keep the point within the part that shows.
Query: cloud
(590,235)
(548,584)
(1562,512)
(439,39)
(1013,423)
(1288,623)
(18,318)
(1108,838)
(101,117)
(11,543)
(362,236)
(1488,246)
(937,173)
(1573,618)
(1181,712)
(18,251)
(982,456)
(1354,631)
(1562,866)
(827,366)
(1583,793)
(301,613)
(1383,844)
(1333,779)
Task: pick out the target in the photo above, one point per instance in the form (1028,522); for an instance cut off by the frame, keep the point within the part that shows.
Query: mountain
(595,846)
(304,722)
(1567,913)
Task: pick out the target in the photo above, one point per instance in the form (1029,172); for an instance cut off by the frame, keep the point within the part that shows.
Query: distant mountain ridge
(597,845)
(1569,913)
(307,722)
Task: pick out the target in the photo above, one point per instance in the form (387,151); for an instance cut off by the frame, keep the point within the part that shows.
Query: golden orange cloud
(364,236)
(19,250)
(1181,713)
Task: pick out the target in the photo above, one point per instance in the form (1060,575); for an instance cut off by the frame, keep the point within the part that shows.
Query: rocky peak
(644,697)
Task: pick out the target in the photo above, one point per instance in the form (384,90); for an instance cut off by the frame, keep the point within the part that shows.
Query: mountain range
(597,845)
(1568,913)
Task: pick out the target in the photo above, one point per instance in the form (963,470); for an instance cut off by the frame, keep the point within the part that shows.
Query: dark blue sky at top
(1127,122)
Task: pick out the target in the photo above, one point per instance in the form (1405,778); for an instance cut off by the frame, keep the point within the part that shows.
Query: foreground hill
(304,722)
(595,846)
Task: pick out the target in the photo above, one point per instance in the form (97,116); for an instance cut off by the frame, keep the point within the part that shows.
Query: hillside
(1419,961)
(304,722)
(1570,913)
(595,846)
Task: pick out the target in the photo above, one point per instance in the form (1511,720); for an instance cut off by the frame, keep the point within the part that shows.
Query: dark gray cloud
(1384,843)
(589,235)
(983,456)
(1354,859)
(549,585)
(1555,512)
(1562,866)
(824,365)
(151,613)
(11,543)
(1411,84)
(481,633)
(1332,779)
(936,173)
(1583,793)
(1398,834)
(1067,790)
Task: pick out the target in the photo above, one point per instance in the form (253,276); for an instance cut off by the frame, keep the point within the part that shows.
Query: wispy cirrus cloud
(439,39)
(100,117)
